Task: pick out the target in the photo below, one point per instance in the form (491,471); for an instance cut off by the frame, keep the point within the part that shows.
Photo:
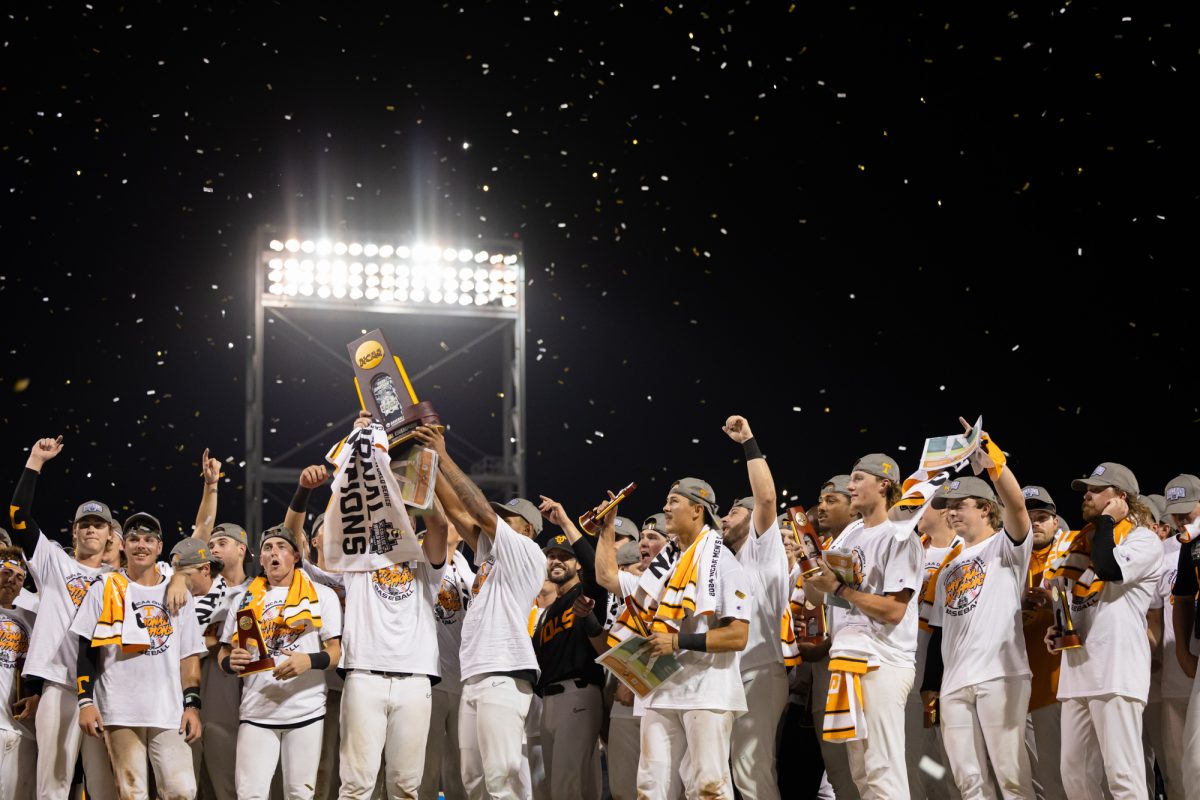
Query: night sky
(849,223)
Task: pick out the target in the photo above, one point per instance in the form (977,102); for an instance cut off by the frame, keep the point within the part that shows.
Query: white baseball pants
(921,741)
(18,763)
(383,717)
(877,762)
(1110,725)
(755,735)
(59,741)
(491,732)
(624,750)
(443,770)
(686,750)
(570,738)
(219,740)
(297,750)
(834,754)
(1043,734)
(984,724)
(1174,719)
(168,753)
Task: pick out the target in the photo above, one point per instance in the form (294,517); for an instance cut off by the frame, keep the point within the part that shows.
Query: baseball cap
(5,539)
(232,531)
(839,484)
(191,552)
(701,492)
(144,523)
(280,532)
(560,542)
(93,508)
(118,530)
(879,465)
(1111,474)
(1182,494)
(745,502)
(1037,498)
(963,488)
(626,527)
(317,523)
(523,509)
(627,554)
(1152,507)
(656,522)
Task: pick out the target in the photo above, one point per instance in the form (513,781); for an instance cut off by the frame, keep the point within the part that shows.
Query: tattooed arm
(464,502)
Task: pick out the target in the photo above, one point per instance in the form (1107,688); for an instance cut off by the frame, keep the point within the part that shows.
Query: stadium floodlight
(389,276)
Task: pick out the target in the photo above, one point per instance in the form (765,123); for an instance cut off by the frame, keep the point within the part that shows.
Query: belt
(559,688)
(391,674)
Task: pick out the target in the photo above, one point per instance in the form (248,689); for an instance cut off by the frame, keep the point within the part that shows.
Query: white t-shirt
(28,600)
(495,633)
(1172,681)
(62,584)
(16,627)
(933,558)
(450,608)
(978,607)
(711,681)
(272,702)
(390,623)
(627,583)
(883,564)
(1115,657)
(765,561)
(142,690)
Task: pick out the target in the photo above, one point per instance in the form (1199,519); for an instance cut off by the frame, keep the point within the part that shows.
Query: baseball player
(138,670)
(570,682)
(18,750)
(283,709)
(1108,572)
(1182,497)
(881,619)
(751,532)
(696,606)
(977,659)
(1044,729)
(497,660)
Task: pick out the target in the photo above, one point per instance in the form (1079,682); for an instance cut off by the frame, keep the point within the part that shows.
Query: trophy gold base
(1067,641)
(262,665)
(809,566)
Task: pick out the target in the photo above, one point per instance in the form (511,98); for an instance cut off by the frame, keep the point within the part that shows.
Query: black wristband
(300,499)
(750,447)
(319,660)
(226,667)
(31,686)
(191,697)
(592,626)
(694,641)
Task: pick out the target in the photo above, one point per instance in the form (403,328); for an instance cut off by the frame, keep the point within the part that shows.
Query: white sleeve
(191,637)
(903,568)
(1139,556)
(331,613)
(1016,555)
(628,583)
(227,629)
(736,600)
(88,614)
(336,580)
(521,555)
(44,561)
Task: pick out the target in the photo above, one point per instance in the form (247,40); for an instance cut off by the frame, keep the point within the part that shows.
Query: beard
(559,577)
(1089,511)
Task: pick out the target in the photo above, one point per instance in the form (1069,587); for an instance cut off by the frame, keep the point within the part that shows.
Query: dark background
(849,223)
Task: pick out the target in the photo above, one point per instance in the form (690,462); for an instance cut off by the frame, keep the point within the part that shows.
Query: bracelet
(84,702)
(751,449)
(319,660)
(693,641)
(840,590)
(226,667)
(191,697)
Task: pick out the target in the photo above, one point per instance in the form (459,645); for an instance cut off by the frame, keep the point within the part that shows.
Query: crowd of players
(943,665)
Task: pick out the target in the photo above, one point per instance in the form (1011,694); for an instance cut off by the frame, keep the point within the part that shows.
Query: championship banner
(366,525)
(950,452)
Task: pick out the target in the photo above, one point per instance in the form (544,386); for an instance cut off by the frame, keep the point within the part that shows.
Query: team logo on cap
(559,539)
(512,502)
(887,468)
(1098,470)
(953,485)
(394,583)
(92,508)
(618,523)
(1031,492)
(1176,493)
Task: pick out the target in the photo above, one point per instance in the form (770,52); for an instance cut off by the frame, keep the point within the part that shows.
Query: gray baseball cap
(627,554)
(626,527)
(838,484)
(962,488)
(93,508)
(192,552)
(231,531)
(1152,507)
(745,502)
(280,532)
(656,522)
(1111,474)
(1182,494)
(701,492)
(143,523)
(5,539)
(881,466)
(318,522)
(522,508)
(1037,498)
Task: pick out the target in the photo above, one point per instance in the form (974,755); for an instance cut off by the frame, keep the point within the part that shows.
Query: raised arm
(437,531)
(24,529)
(606,554)
(762,483)
(478,513)
(1008,490)
(206,514)
(311,477)
(555,514)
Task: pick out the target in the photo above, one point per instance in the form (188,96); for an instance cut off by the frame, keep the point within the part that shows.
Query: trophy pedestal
(414,417)
(1066,641)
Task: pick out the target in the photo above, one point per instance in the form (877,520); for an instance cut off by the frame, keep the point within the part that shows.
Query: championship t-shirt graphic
(394,583)
(963,584)
(78,585)
(153,617)
(449,607)
(14,642)
(481,576)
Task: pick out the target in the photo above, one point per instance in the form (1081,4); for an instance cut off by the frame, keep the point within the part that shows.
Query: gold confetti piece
(21,384)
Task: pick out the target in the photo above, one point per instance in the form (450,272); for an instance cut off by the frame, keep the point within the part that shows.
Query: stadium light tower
(295,276)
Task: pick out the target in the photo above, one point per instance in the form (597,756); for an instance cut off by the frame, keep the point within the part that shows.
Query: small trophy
(932,712)
(590,522)
(249,633)
(806,537)
(384,389)
(809,624)
(1066,638)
